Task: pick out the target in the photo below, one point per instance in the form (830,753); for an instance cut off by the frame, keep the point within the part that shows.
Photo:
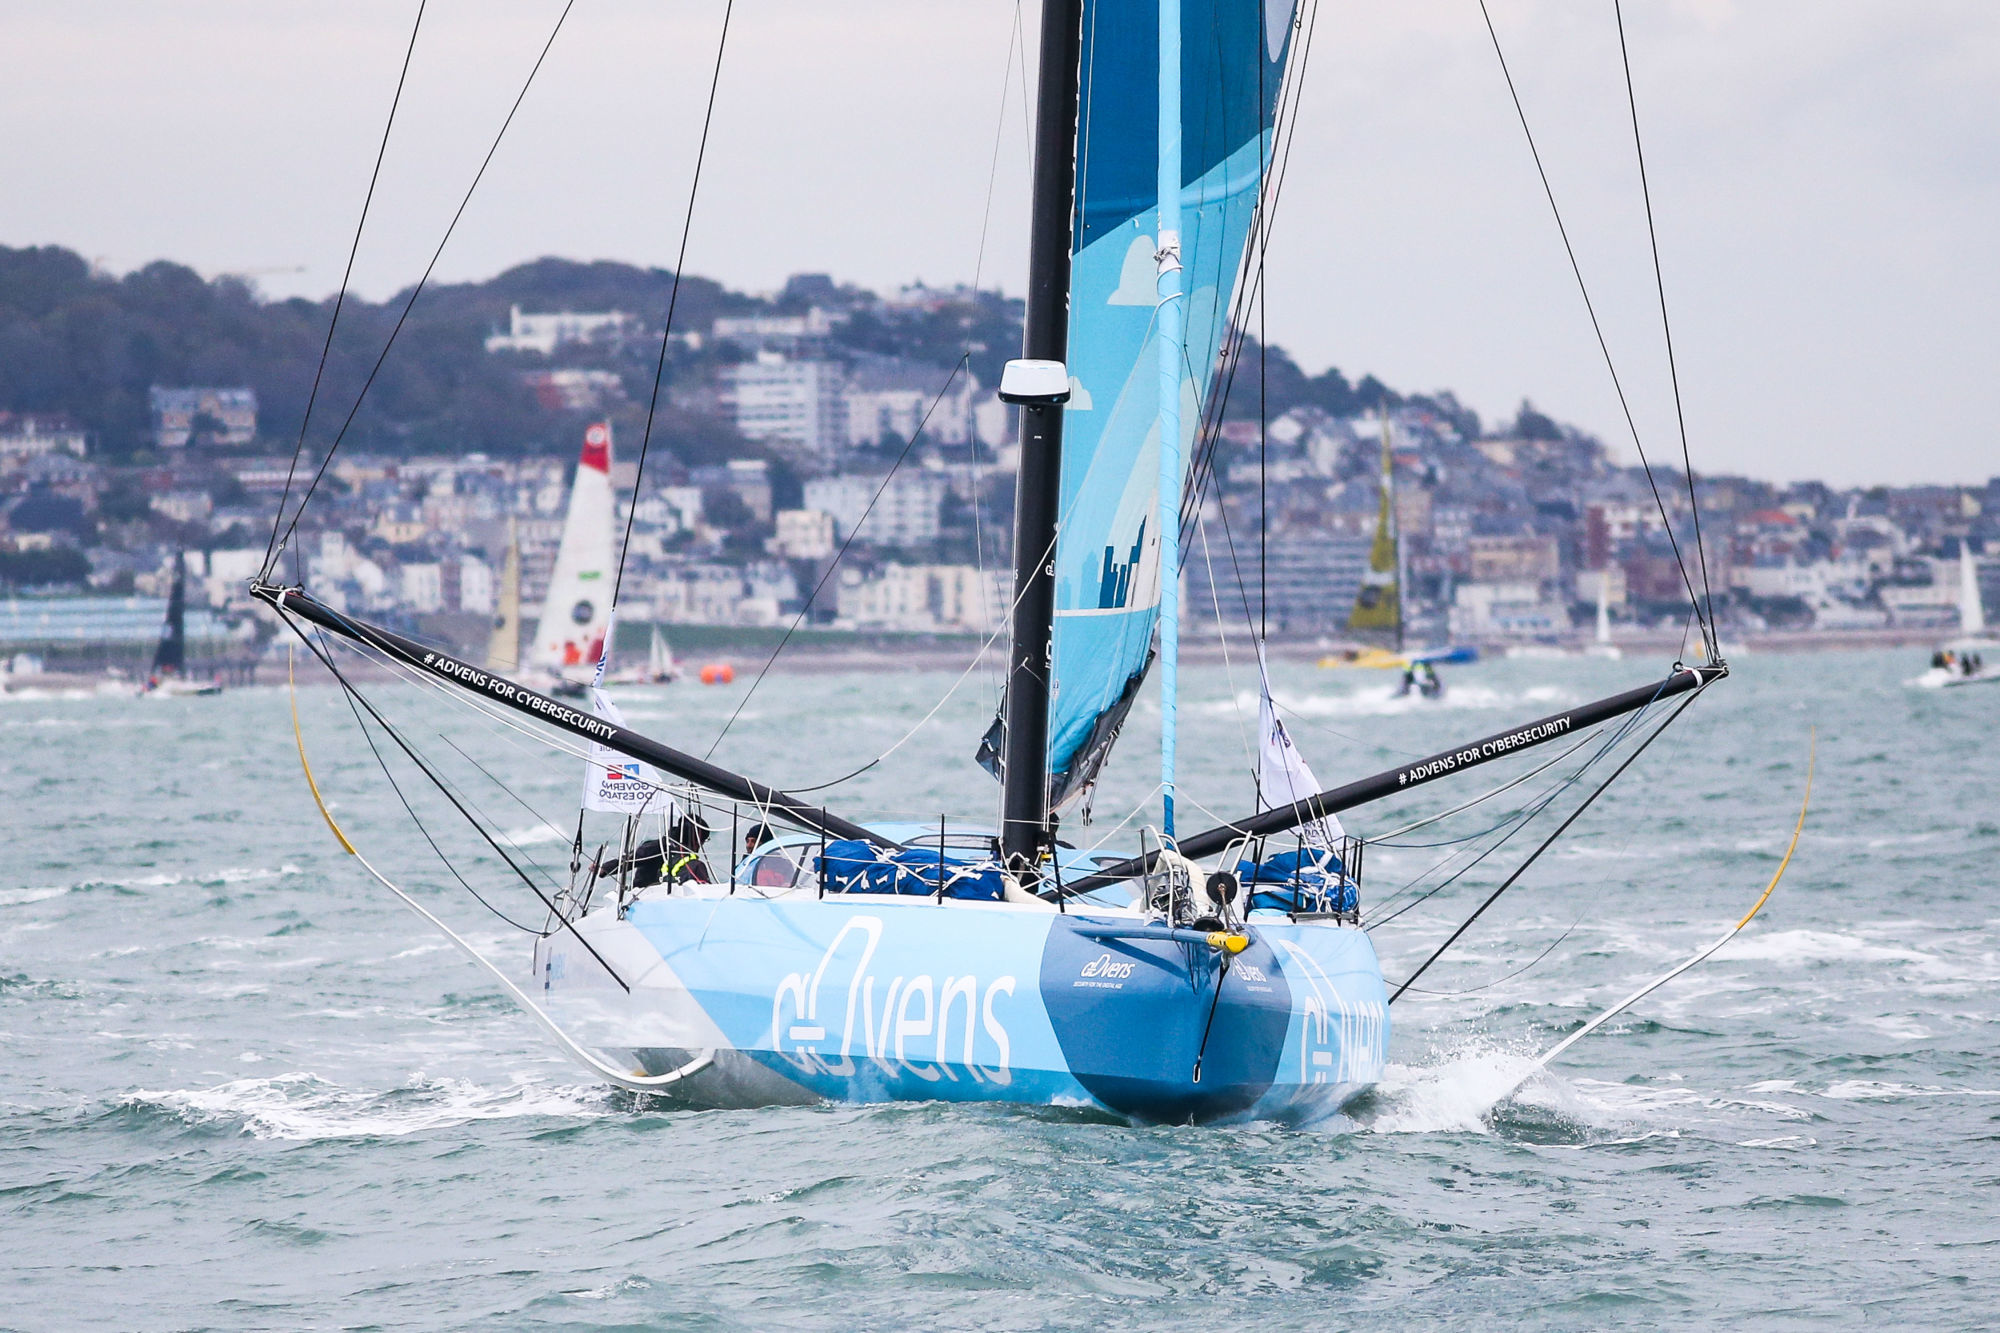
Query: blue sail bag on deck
(1310,879)
(853,866)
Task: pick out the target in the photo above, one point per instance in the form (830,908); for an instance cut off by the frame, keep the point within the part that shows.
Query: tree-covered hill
(89,345)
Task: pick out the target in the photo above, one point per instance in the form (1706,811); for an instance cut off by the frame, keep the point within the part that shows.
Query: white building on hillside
(803,534)
(924,598)
(475,585)
(761,333)
(1505,610)
(422,587)
(906,514)
(545,332)
(798,402)
(33,436)
(889,397)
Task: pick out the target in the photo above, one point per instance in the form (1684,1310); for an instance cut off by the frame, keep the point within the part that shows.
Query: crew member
(686,834)
(774,869)
(674,859)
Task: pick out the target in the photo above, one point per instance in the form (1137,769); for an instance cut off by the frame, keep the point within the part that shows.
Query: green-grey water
(243,1088)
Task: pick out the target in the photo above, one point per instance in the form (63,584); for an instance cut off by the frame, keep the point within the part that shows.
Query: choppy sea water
(242,1088)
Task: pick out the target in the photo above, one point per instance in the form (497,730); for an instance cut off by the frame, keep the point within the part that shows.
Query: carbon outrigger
(859,961)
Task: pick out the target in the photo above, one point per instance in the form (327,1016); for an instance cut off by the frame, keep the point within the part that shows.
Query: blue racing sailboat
(1217,975)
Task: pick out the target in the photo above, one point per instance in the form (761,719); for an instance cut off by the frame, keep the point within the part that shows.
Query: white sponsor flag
(614,781)
(1282,774)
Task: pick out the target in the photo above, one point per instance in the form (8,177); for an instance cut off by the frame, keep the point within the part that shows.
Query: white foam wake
(1453,1096)
(205,879)
(303,1107)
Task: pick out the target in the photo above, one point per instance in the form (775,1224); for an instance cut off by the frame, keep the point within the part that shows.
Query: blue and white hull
(799,998)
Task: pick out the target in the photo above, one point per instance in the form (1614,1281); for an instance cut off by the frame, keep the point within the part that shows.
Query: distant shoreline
(833,653)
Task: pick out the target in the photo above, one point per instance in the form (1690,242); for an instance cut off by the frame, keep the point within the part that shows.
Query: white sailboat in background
(1965,659)
(661,668)
(576,613)
(1602,646)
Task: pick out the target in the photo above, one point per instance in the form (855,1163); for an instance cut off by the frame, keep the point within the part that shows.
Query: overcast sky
(1826,175)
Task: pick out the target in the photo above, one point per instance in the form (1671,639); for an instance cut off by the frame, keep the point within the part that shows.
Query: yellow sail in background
(503,649)
(1379,604)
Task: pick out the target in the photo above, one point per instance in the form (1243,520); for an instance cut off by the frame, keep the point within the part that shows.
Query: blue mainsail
(1108,549)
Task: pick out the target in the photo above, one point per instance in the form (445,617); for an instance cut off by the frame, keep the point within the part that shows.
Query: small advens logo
(1104,965)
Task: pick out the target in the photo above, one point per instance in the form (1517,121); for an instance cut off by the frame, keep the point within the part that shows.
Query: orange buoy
(717,673)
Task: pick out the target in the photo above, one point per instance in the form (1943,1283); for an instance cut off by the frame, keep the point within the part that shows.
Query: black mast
(1024,801)
(170,658)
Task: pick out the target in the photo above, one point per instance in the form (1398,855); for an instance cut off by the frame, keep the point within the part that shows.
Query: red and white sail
(569,637)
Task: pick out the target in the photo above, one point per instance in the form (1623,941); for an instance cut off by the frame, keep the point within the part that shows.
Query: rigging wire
(1016,42)
(473,816)
(382,762)
(1290,97)
(388,730)
(1014,45)
(1597,328)
(1660,286)
(1549,841)
(1263,342)
(1228,670)
(1379,913)
(983,653)
(501,722)
(673,300)
(340,299)
(838,555)
(1520,819)
(1383,839)
(278,548)
(515,796)
(1530,965)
